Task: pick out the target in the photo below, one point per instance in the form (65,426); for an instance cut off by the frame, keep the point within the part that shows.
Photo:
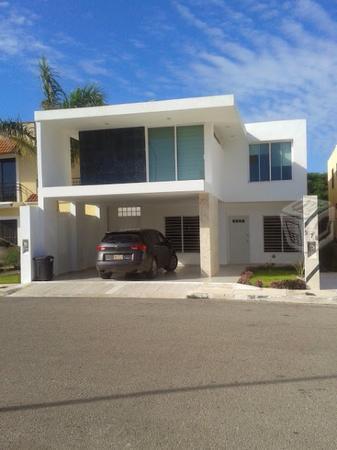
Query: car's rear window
(121,238)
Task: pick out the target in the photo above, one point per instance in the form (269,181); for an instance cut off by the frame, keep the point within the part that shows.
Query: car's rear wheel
(172,264)
(105,275)
(153,272)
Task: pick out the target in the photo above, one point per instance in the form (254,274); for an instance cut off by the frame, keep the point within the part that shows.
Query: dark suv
(143,251)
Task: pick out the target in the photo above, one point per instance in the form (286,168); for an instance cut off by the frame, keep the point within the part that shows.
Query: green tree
(318,185)
(55,97)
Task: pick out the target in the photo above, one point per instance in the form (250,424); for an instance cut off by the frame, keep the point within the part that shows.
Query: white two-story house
(216,187)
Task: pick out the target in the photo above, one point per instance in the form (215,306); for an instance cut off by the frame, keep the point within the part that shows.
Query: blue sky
(279,58)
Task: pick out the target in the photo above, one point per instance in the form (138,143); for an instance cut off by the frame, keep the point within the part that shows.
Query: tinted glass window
(7,180)
(115,238)
(264,162)
(190,152)
(161,154)
(276,161)
(8,230)
(113,156)
(286,160)
(254,164)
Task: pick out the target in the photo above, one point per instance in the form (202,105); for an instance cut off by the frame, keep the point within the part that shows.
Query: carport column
(209,234)
(311,241)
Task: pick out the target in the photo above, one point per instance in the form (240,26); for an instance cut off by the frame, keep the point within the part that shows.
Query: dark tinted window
(121,238)
(113,156)
(254,162)
(7,180)
(264,162)
(8,230)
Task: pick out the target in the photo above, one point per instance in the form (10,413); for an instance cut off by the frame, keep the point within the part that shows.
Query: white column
(31,239)
(209,234)
(311,241)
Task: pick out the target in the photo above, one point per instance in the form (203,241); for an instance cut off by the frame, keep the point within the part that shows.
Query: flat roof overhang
(130,191)
(220,110)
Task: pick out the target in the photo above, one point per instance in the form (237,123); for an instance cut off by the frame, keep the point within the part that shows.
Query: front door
(239,239)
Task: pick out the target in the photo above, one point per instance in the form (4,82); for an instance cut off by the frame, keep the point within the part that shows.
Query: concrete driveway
(177,284)
(150,374)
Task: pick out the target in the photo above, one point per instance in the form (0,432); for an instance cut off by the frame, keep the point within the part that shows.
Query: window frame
(174,126)
(278,141)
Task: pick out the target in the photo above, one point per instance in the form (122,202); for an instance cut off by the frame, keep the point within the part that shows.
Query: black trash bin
(43,268)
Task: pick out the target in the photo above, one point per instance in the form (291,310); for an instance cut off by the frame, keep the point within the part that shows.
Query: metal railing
(14,192)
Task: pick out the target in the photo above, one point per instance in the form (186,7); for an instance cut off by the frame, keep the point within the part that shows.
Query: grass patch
(269,274)
(9,278)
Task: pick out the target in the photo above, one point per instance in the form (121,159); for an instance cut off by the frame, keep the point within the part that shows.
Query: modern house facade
(18,186)
(217,187)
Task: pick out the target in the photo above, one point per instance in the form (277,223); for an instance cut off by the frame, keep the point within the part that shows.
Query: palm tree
(21,133)
(55,97)
(88,95)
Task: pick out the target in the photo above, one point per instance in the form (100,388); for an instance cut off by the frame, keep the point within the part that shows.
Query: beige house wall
(27,174)
(9,212)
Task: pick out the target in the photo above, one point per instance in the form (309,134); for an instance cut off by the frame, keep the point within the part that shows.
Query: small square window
(128,211)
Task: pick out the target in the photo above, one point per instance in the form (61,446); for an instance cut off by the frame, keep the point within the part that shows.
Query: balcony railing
(16,192)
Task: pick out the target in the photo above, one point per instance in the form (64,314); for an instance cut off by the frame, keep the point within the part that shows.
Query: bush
(259,283)
(245,276)
(13,257)
(288,284)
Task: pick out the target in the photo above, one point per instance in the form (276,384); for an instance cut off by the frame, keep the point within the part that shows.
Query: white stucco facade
(225,192)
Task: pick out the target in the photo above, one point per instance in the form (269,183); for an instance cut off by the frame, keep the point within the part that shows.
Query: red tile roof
(7,146)
(32,198)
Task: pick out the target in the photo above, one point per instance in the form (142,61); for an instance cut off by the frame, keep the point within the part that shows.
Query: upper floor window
(176,153)
(270,161)
(8,180)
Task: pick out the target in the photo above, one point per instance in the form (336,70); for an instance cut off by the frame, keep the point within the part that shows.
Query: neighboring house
(18,178)
(332,187)
(217,187)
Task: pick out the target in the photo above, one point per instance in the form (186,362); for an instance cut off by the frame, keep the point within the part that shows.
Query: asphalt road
(150,374)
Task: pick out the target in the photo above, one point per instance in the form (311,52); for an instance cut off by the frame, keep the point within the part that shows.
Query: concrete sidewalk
(173,290)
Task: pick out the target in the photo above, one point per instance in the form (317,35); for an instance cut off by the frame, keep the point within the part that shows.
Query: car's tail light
(100,248)
(141,247)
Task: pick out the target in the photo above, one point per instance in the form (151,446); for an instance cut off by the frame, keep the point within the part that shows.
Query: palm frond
(74,151)
(21,134)
(88,95)
(54,96)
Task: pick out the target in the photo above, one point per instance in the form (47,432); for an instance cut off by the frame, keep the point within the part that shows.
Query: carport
(73,226)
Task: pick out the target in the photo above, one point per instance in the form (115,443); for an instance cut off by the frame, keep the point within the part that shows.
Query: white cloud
(286,70)
(314,13)
(94,67)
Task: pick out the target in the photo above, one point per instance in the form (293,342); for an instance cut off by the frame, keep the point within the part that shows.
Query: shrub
(288,284)
(245,276)
(13,257)
(259,283)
